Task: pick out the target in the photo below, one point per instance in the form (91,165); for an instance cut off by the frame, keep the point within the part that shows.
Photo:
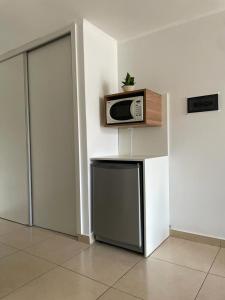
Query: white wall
(145,141)
(188,60)
(101,77)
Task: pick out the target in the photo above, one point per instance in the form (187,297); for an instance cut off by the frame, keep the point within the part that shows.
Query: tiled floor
(41,265)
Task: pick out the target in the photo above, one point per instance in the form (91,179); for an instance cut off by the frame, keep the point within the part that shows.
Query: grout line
(54,266)
(49,261)
(13,231)
(25,250)
(130,269)
(86,276)
(26,247)
(28,282)
(160,245)
(81,250)
(214,259)
(207,274)
(108,287)
(127,293)
(113,288)
(103,283)
(99,297)
(7,255)
(4,244)
(29,254)
(137,297)
(176,264)
(127,271)
(41,258)
(98,281)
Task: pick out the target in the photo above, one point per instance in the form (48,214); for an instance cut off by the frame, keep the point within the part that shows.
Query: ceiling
(24,20)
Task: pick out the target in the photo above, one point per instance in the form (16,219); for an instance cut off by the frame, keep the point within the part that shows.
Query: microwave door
(121,112)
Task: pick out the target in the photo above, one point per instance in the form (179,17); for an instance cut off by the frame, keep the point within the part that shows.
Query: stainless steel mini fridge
(117,203)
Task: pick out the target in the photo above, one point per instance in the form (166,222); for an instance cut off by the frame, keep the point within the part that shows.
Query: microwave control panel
(138,115)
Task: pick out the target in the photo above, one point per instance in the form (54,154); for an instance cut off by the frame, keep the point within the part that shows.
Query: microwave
(125,110)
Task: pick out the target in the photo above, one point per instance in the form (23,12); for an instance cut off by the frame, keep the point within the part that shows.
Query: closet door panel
(52,136)
(13,145)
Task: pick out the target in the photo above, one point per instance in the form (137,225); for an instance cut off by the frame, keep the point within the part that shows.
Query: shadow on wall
(105,91)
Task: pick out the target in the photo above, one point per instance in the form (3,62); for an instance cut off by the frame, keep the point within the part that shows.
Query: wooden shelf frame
(152,108)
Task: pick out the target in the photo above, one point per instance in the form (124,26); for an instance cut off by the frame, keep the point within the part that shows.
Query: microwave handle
(132,108)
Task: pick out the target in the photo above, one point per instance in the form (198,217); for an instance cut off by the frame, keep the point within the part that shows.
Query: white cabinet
(155,202)
(14,204)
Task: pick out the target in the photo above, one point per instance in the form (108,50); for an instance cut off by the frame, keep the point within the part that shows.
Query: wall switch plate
(202,103)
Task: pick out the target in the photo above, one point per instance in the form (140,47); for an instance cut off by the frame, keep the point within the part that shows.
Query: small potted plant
(128,83)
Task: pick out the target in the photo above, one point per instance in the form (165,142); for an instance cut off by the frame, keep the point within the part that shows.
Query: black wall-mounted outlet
(202,103)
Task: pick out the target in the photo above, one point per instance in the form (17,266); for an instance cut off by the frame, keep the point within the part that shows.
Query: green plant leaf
(128,80)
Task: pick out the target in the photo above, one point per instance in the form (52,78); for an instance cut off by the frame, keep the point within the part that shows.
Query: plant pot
(128,88)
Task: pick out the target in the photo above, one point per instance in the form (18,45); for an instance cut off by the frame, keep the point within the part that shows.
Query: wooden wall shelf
(152,108)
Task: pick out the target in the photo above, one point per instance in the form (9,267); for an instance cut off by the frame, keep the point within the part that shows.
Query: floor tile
(25,237)
(6,250)
(18,269)
(212,289)
(114,294)
(7,226)
(159,280)
(218,267)
(57,249)
(187,253)
(59,284)
(103,263)
(222,243)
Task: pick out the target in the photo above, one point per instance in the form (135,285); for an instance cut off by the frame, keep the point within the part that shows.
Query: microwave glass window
(121,111)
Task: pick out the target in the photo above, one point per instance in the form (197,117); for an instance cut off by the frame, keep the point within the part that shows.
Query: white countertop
(127,157)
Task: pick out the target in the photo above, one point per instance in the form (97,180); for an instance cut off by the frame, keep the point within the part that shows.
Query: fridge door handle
(139,210)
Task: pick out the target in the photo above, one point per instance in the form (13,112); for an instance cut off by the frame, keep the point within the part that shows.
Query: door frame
(24,49)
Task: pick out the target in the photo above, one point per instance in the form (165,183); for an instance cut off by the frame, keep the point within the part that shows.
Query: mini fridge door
(117,203)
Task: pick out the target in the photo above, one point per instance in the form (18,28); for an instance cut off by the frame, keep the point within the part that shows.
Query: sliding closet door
(52,136)
(13,147)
